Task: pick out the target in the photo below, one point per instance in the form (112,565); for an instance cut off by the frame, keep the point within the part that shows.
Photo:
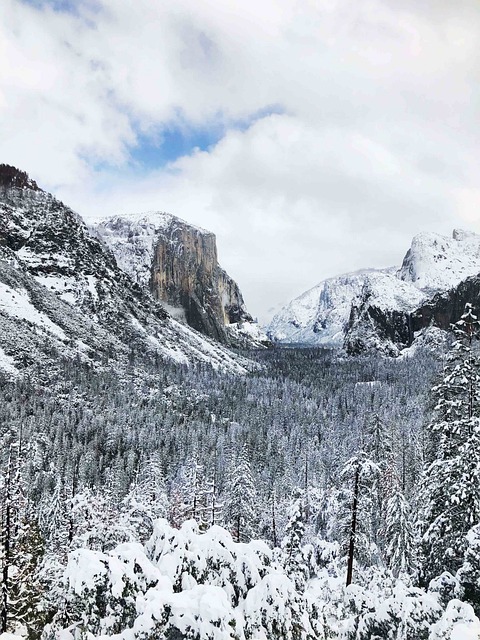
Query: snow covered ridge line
(185,584)
(62,291)
(344,311)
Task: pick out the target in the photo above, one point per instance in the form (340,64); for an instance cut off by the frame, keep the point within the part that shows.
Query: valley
(172,470)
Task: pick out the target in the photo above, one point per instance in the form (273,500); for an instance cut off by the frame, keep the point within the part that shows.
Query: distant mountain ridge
(375,309)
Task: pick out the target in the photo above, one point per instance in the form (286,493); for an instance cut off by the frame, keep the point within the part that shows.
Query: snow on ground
(182,344)
(206,586)
(17,303)
(251,331)
(7,363)
(63,287)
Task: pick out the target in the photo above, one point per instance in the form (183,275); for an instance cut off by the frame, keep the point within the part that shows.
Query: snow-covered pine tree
(192,495)
(96,521)
(54,519)
(399,535)
(292,558)
(240,497)
(357,501)
(469,573)
(379,447)
(450,489)
(27,605)
(147,499)
(22,546)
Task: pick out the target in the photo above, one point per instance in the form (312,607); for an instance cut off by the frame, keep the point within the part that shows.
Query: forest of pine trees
(317,497)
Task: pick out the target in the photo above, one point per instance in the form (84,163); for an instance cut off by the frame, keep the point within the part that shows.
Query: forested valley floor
(174,502)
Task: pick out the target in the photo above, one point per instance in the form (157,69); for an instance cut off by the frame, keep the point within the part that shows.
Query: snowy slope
(319,315)
(433,264)
(437,263)
(62,292)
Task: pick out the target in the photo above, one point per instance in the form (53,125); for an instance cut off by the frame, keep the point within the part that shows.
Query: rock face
(444,309)
(62,292)
(384,309)
(185,273)
(178,264)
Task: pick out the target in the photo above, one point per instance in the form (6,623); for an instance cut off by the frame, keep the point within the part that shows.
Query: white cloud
(379,137)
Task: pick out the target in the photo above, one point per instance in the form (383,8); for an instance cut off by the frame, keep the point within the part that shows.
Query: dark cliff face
(369,328)
(11,177)
(445,309)
(185,273)
(391,331)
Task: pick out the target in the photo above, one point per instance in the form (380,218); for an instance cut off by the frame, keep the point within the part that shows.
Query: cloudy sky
(313,137)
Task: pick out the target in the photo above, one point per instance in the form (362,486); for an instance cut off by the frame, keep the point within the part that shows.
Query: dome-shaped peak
(11,177)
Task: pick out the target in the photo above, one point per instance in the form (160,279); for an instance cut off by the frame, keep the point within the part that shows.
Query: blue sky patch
(153,151)
(62,6)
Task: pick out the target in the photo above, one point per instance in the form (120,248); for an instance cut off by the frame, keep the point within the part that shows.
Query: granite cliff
(178,263)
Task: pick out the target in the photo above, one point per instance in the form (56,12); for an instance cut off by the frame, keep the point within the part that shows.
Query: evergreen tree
(293,560)
(450,488)
(378,445)
(22,547)
(357,501)
(469,573)
(399,535)
(26,593)
(240,500)
(147,499)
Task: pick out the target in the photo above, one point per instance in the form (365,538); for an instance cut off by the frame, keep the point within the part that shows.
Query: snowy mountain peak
(61,289)
(319,315)
(144,222)
(436,263)
(464,234)
(134,237)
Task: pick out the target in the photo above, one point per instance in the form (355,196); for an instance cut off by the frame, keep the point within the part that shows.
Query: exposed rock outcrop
(444,309)
(178,264)
(390,331)
(185,273)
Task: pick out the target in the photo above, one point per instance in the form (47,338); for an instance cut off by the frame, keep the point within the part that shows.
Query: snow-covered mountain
(63,295)
(178,264)
(437,263)
(319,316)
(342,310)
